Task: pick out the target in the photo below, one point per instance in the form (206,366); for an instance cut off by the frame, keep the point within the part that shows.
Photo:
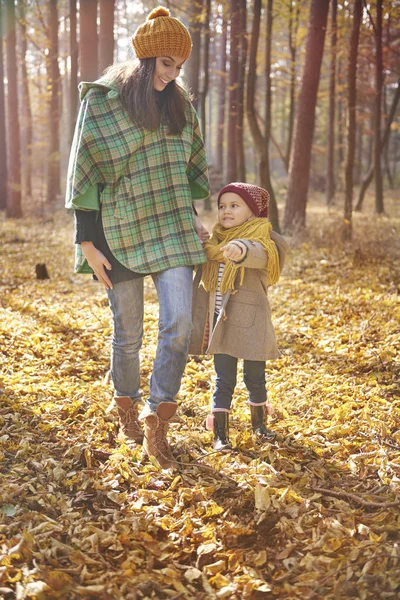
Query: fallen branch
(344,495)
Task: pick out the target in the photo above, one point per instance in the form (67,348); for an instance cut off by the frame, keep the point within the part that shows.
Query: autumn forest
(302,98)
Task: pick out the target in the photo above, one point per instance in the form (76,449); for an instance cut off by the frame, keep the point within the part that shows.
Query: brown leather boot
(128,418)
(155,434)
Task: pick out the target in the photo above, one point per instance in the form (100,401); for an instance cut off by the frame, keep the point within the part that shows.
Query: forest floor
(315,515)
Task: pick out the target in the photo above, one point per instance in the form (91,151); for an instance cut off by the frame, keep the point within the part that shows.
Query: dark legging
(226,370)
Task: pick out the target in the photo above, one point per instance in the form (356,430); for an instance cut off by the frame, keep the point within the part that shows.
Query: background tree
(294,11)
(3,144)
(73,52)
(192,65)
(53,74)
(299,169)
(221,92)
(14,208)
(330,182)
(234,40)
(106,38)
(378,109)
(240,137)
(89,69)
(351,134)
(261,141)
(26,103)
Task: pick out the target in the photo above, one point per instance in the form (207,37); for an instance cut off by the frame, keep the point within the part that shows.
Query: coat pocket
(242,308)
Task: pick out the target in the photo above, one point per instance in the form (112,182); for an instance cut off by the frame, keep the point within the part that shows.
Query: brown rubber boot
(128,418)
(155,434)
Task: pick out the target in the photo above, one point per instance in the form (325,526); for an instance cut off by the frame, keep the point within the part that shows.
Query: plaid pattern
(150,180)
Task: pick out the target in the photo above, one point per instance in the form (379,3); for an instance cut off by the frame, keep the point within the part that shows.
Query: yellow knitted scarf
(256,230)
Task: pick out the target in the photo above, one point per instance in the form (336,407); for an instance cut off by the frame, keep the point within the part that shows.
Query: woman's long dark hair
(147,107)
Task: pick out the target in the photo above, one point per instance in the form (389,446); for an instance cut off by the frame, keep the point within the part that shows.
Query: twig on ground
(344,495)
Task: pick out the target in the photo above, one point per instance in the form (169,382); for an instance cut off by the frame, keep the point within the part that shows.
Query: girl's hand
(201,230)
(98,262)
(233,251)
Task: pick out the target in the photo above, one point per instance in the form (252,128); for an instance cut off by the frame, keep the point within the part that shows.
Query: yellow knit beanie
(162,35)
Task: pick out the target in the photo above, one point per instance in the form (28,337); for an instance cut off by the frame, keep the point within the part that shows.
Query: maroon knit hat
(256,198)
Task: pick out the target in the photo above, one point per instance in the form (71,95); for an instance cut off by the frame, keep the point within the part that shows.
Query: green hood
(104,82)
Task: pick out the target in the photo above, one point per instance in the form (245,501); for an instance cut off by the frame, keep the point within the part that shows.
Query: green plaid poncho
(148,182)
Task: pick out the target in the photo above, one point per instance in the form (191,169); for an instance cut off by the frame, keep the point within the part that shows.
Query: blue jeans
(225,383)
(174,290)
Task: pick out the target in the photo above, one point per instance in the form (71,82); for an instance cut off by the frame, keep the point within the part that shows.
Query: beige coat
(244,328)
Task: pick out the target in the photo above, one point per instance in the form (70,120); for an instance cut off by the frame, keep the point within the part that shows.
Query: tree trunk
(359,146)
(106,41)
(3,143)
(265,175)
(386,150)
(205,86)
(293,27)
(221,96)
(73,49)
(206,69)
(330,171)
(192,65)
(370,174)
(261,142)
(378,110)
(14,208)
(299,169)
(351,132)
(241,161)
(88,40)
(341,119)
(233,90)
(26,103)
(53,86)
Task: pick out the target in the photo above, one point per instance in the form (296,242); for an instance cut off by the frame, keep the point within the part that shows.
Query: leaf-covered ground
(315,515)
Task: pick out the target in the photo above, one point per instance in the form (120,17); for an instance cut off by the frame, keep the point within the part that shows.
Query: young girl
(244,258)
(137,163)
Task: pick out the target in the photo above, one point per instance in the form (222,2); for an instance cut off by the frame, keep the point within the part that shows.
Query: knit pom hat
(162,35)
(256,198)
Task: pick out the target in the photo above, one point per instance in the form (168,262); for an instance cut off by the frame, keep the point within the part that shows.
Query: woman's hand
(98,262)
(201,230)
(234,251)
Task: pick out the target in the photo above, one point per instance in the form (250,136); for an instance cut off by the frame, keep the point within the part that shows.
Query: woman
(137,163)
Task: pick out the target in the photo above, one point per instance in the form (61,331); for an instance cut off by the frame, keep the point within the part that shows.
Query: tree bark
(192,65)
(293,27)
(233,90)
(261,141)
(330,171)
(3,142)
(379,208)
(351,132)
(106,40)
(266,175)
(206,69)
(73,49)
(370,174)
(241,161)
(299,169)
(88,40)
(221,96)
(386,149)
(14,207)
(26,103)
(53,86)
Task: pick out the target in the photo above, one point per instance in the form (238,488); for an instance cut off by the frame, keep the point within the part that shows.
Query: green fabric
(149,181)
(90,199)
